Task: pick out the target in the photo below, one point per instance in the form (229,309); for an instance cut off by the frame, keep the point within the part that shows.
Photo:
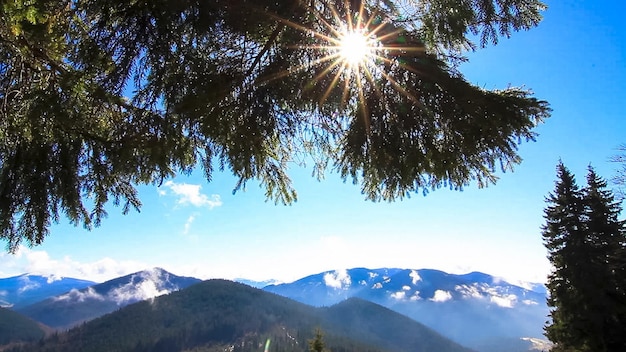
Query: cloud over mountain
(76,306)
(338,279)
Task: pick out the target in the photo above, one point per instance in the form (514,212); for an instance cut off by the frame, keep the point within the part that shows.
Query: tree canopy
(99,96)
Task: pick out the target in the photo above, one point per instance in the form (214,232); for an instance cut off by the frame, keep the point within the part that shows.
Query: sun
(355,47)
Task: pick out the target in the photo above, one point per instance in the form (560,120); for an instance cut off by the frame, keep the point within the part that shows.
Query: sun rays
(353,50)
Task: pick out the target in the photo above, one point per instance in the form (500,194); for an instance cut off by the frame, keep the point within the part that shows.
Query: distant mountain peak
(78,305)
(21,290)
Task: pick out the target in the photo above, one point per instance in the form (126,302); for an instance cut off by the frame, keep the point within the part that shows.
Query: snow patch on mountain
(538,344)
(469,291)
(530,286)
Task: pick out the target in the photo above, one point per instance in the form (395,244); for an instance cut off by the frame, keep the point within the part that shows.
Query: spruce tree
(563,236)
(585,242)
(607,239)
(317,344)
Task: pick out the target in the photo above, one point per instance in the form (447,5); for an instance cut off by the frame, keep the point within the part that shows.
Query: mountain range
(22,290)
(475,309)
(219,315)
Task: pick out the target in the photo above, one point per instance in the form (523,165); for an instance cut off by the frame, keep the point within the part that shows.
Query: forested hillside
(15,327)
(216,315)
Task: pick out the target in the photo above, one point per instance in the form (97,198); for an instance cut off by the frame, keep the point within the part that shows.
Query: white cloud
(148,288)
(188,223)
(80,296)
(529,302)
(26,284)
(377,285)
(504,301)
(400,295)
(52,278)
(441,296)
(406,288)
(189,194)
(415,277)
(416,296)
(337,279)
(38,262)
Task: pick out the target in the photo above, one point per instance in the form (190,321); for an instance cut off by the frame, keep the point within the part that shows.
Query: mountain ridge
(25,289)
(79,305)
(223,315)
(477,307)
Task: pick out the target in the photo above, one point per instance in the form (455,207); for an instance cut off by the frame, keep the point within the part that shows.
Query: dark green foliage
(98,96)
(217,315)
(15,327)
(317,344)
(586,243)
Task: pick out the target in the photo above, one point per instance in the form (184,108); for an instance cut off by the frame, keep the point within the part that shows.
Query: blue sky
(575,59)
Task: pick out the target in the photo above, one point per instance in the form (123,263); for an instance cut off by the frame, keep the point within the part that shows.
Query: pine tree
(563,235)
(98,96)
(585,242)
(607,238)
(317,344)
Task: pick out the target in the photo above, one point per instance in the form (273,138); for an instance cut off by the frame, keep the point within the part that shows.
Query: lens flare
(267,345)
(355,47)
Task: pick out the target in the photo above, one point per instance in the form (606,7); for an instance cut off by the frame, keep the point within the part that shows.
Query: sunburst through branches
(351,43)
